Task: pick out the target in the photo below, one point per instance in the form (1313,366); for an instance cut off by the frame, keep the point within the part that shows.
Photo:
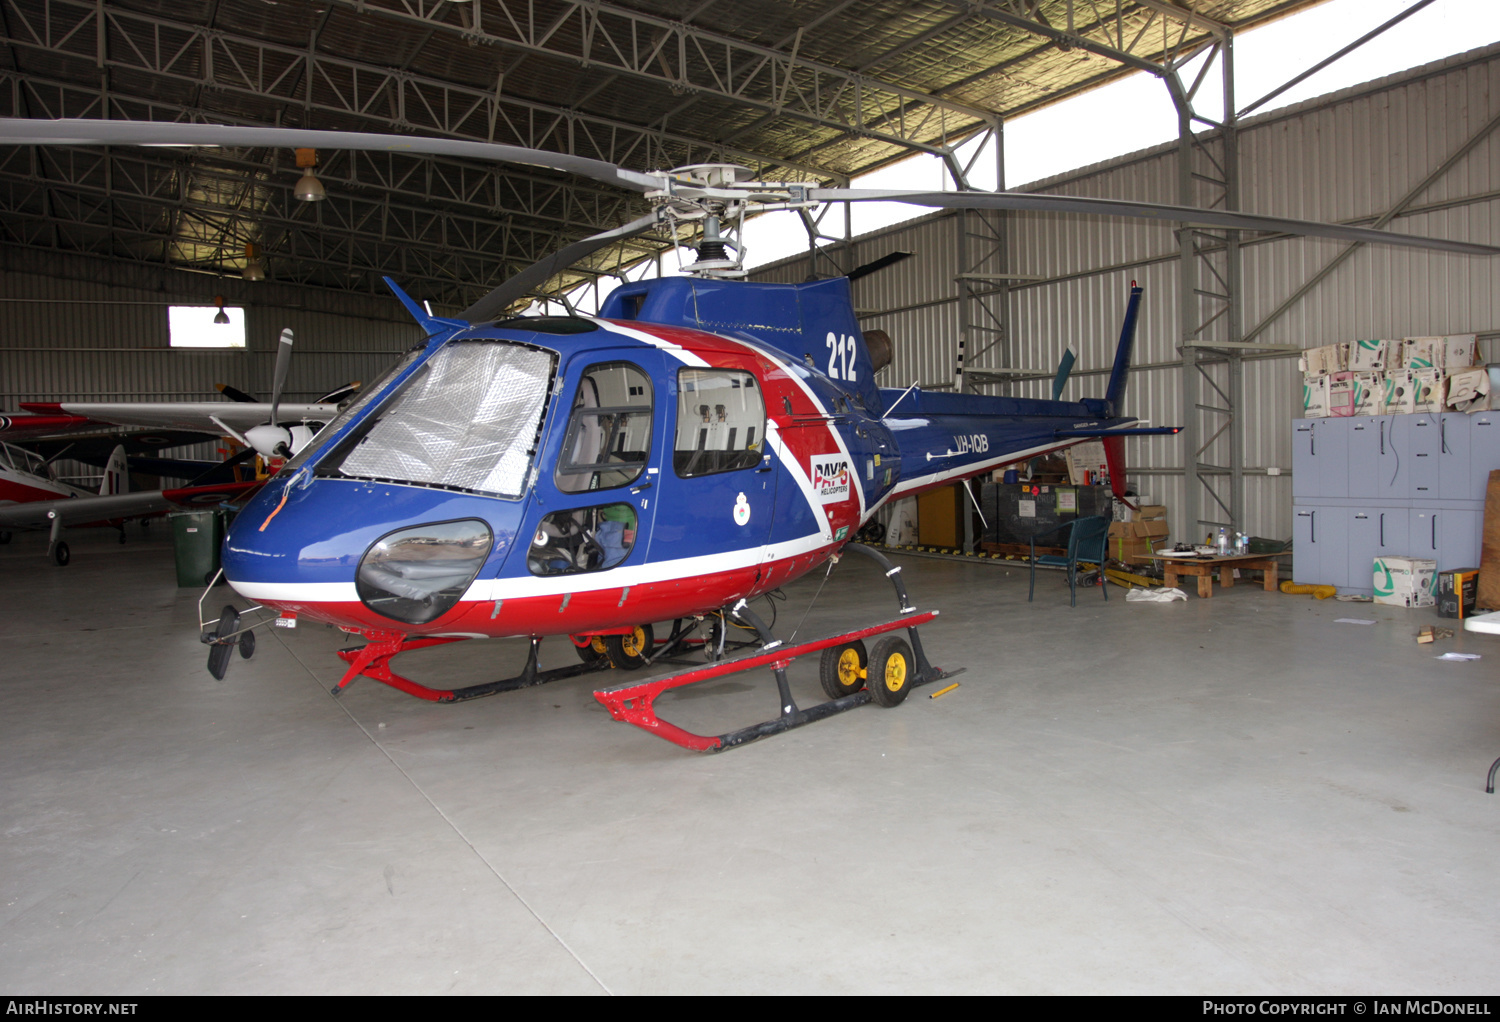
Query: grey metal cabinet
(1307,555)
(1320,458)
(1391,485)
(1373,532)
(1367,448)
(1424,450)
(1456,474)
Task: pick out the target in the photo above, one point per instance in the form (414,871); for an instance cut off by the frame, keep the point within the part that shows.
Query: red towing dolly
(849,676)
(891,672)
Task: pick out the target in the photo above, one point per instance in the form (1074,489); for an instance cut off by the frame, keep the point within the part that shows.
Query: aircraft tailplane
(116,473)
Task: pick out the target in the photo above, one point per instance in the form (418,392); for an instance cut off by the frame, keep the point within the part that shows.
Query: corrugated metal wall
(1350,156)
(65,338)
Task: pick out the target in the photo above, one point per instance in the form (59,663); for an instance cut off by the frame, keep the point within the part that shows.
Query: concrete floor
(1235,795)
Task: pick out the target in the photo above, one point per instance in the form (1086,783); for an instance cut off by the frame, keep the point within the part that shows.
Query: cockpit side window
(721,422)
(609,431)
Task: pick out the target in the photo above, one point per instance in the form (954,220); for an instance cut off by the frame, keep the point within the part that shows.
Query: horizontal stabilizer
(1075,434)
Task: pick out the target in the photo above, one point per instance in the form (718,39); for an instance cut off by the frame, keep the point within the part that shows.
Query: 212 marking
(840,356)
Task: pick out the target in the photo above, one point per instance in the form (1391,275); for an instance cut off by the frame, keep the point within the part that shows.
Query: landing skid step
(633,702)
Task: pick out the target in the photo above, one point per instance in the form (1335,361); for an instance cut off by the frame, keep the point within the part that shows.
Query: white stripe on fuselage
(523,586)
(669,347)
(794,374)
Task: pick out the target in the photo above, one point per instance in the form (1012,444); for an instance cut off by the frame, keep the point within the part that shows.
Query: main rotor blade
(235,394)
(493,305)
(75,131)
(283,360)
(1148,210)
(876,265)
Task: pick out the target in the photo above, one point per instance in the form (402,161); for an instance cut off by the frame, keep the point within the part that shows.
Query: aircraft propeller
(271,439)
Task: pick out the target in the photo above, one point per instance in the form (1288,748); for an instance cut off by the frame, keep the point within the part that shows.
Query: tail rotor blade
(283,359)
(1064,369)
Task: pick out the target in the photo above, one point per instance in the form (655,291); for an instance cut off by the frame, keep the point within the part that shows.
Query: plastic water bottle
(1223,547)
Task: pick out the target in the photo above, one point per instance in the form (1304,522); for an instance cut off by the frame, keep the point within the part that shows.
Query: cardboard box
(1135,542)
(1427,390)
(1467,390)
(1423,352)
(1152,513)
(1369,393)
(1405,581)
(1456,592)
(1314,396)
(1368,356)
(1341,394)
(1330,358)
(1460,351)
(1399,393)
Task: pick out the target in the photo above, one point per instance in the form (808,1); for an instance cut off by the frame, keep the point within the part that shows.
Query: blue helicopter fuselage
(698,442)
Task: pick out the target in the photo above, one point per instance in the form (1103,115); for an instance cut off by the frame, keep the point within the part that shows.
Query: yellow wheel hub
(895,673)
(635,642)
(849,670)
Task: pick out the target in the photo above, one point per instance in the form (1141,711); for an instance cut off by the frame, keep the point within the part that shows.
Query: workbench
(1203,567)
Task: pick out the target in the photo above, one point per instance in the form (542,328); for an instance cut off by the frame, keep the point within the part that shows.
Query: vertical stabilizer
(116,473)
(1116,393)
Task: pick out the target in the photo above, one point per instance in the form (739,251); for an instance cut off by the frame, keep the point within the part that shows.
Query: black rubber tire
(593,652)
(841,671)
(247,645)
(892,671)
(4,538)
(61,554)
(629,652)
(873,532)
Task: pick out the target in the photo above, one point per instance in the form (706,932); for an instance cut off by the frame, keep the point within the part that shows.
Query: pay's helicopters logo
(831,478)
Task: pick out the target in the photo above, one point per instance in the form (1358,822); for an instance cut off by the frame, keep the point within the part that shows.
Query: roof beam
(279,75)
(684,57)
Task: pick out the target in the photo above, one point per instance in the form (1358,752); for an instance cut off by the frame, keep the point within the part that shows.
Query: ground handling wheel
(221,644)
(592,651)
(61,554)
(629,652)
(842,669)
(891,672)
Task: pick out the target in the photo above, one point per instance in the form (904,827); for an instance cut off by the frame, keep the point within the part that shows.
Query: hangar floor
(1236,795)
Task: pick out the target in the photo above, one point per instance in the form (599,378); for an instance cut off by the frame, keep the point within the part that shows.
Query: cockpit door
(717,484)
(594,500)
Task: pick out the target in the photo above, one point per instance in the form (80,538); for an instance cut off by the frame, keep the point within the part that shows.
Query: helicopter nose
(366,554)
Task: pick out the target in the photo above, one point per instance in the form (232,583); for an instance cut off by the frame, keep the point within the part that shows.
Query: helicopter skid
(633,702)
(372,660)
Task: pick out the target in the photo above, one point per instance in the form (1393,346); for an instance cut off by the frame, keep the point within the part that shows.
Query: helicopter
(702,441)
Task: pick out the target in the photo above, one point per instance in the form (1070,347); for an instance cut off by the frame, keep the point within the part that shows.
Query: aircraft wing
(25,427)
(86,510)
(96,445)
(213,416)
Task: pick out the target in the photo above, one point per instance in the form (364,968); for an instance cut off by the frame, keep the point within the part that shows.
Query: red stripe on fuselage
(578,613)
(807,431)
